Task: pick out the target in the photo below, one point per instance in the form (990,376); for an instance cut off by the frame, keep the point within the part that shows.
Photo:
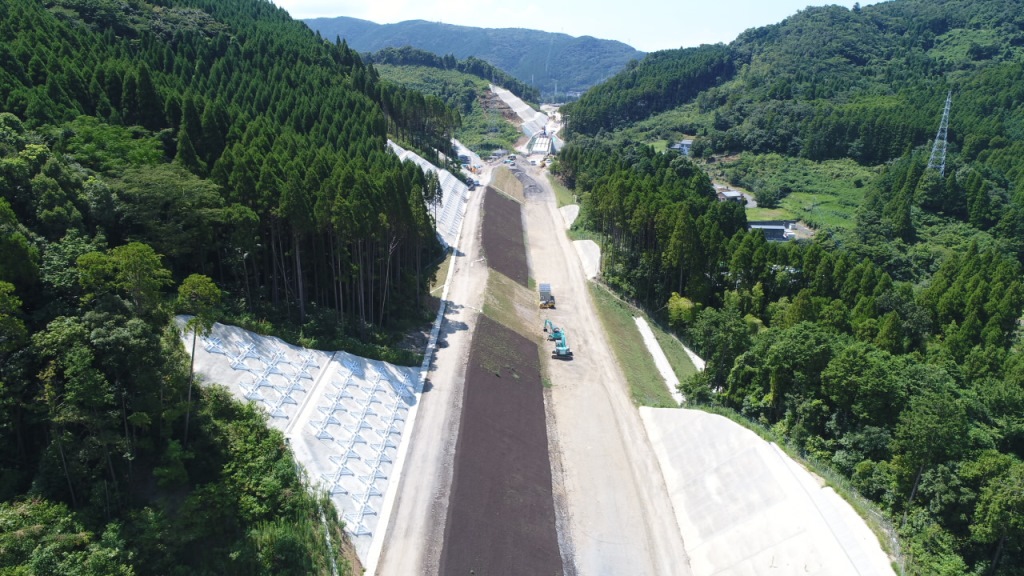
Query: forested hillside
(464,85)
(409,56)
(210,157)
(541,59)
(890,350)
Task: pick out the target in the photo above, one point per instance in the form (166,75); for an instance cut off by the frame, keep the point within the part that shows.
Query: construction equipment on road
(558,336)
(547,300)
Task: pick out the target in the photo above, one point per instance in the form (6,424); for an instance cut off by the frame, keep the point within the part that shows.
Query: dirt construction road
(614,510)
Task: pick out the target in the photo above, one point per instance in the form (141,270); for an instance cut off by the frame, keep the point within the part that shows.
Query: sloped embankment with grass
(503,180)
(646,384)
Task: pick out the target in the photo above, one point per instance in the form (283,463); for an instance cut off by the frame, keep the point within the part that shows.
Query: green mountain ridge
(541,59)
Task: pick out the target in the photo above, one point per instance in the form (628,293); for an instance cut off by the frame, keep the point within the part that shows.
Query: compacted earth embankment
(501,516)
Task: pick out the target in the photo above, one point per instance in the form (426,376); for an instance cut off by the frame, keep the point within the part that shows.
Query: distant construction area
(533,121)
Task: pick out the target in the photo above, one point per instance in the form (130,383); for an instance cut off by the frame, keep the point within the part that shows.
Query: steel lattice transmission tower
(938,158)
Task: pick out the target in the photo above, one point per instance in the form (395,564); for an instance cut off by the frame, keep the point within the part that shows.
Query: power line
(938,157)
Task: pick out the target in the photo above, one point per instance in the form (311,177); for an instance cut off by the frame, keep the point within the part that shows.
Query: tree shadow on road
(447,328)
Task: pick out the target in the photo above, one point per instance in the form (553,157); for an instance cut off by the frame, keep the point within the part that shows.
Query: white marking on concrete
(698,362)
(569,213)
(590,256)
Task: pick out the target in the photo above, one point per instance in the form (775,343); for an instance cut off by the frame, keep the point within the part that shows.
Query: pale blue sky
(647,25)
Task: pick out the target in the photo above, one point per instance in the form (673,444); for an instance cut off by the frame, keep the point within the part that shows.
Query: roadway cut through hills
(501,515)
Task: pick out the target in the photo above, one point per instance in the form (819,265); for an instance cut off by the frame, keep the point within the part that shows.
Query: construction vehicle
(558,336)
(547,300)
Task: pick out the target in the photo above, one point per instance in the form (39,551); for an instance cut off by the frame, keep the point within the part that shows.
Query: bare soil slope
(501,517)
(502,238)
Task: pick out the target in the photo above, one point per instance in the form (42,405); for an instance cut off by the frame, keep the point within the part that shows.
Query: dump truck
(547,299)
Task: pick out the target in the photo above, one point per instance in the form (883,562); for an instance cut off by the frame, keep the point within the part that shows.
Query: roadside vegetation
(563,195)
(889,348)
(646,385)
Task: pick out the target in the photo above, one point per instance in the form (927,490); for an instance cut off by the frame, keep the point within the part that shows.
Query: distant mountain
(544,59)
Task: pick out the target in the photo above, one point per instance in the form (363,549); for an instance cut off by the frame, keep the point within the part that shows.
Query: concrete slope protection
(744,507)
(454,196)
(534,122)
(660,360)
(344,416)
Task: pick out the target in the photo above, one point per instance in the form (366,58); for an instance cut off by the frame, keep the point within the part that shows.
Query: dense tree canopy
(213,149)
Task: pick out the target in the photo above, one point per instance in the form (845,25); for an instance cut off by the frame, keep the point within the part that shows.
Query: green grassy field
(822,194)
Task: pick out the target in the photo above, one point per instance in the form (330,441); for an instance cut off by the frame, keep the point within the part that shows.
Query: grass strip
(678,359)
(437,283)
(503,180)
(563,195)
(646,386)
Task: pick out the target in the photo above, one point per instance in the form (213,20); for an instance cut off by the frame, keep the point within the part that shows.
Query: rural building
(775,230)
(683,147)
(728,195)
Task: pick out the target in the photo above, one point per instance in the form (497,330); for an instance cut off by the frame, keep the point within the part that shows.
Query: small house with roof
(683,146)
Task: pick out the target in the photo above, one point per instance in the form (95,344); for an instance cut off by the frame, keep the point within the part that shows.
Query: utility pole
(937,159)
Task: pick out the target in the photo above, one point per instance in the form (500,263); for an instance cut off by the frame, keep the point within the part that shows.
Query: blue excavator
(558,336)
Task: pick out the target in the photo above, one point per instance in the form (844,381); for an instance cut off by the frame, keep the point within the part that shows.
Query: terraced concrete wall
(344,416)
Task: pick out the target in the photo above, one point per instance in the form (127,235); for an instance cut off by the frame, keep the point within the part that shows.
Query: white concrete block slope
(345,416)
(534,122)
(453,199)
